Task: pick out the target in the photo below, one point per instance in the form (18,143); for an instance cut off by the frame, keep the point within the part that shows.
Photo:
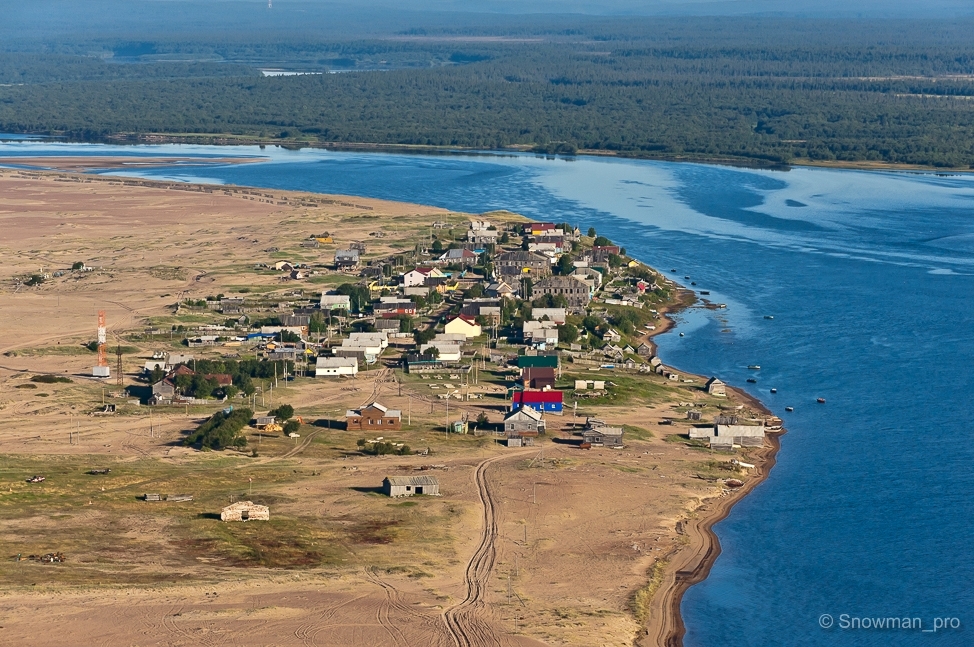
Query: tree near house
(283,412)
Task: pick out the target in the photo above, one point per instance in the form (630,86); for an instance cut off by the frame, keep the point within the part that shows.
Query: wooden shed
(397,486)
(715,387)
(245,511)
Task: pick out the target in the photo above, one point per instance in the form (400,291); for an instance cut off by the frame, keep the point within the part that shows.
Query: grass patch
(637,433)
(27,385)
(643,597)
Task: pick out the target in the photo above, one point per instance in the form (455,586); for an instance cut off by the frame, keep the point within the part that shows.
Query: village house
(500,289)
(555,315)
(458,257)
(346,259)
(392,306)
(245,511)
(524,422)
(589,276)
(336,366)
(421,276)
(539,333)
(533,361)
(399,486)
(481,232)
(715,387)
(335,302)
(538,378)
(389,326)
(373,417)
(521,263)
(364,349)
(463,325)
(545,401)
(446,353)
(726,432)
(538,228)
(575,291)
(644,350)
(599,434)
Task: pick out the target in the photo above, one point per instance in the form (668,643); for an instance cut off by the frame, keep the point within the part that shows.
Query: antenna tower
(102,338)
(119,379)
(101,370)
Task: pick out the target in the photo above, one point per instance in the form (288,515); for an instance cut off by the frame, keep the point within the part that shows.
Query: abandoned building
(245,511)
(397,486)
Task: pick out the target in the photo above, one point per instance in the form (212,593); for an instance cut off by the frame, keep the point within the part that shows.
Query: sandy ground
(543,545)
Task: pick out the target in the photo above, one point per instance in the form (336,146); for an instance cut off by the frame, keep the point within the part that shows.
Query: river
(869,278)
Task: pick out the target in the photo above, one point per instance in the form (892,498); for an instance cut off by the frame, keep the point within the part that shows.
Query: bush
(50,379)
(221,430)
(291,426)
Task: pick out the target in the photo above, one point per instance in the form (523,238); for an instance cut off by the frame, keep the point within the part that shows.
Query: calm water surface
(869,277)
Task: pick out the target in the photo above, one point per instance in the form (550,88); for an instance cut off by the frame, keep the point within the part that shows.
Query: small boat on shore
(751,380)
(820,400)
(754,367)
(735,483)
(774,390)
(789,409)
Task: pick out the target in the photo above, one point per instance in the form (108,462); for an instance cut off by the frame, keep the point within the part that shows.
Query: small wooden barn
(715,387)
(397,486)
(245,511)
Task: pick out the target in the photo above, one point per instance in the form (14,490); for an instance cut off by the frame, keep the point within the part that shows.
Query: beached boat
(754,367)
(789,408)
(733,483)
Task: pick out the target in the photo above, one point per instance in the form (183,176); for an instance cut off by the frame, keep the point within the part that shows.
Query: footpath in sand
(545,545)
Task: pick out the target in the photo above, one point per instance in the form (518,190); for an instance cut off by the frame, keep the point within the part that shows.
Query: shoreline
(691,563)
(225,139)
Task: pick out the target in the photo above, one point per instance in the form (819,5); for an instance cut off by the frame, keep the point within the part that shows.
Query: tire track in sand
(465,620)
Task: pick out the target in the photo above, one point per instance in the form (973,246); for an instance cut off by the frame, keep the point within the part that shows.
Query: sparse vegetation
(221,430)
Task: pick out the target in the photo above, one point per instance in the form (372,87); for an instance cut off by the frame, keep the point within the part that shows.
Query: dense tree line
(775,91)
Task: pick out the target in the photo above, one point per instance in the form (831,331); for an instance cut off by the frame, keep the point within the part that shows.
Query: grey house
(398,486)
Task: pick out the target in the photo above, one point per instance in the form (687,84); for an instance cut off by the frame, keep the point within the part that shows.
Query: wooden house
(524,422)
(399,486)
(599,434)
(715,387)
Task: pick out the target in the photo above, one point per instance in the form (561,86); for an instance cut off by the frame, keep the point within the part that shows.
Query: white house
(466,326)
(420,276)
(447,352)
(336,366)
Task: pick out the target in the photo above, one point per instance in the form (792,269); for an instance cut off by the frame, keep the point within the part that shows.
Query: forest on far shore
(768,90)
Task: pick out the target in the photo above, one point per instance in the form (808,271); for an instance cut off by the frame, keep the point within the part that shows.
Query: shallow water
(869,278)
